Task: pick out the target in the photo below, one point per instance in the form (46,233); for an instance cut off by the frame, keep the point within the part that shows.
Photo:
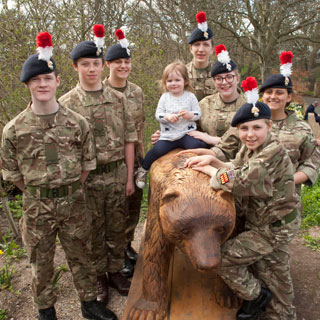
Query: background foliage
(254,32)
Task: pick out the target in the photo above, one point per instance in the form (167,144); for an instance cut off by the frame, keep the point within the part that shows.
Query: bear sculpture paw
(227,299)
(146,310)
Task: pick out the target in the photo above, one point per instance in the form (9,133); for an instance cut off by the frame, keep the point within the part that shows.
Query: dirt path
(305,268)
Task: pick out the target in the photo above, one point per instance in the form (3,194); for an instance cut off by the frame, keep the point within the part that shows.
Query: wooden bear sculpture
(184,211)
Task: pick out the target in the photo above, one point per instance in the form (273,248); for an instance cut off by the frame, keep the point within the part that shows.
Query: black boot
(102,286)
(119,282)
(131,253)
(251,310)
(47,314)
(95,310)
(128,268)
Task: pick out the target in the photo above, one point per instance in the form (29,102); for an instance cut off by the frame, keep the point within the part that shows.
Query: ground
(305,266)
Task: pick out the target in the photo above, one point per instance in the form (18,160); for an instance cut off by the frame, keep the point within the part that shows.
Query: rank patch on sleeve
(227,176)
(224,178)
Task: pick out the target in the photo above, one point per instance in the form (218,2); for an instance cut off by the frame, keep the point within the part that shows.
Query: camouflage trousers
(134,205)
(44,219)
(105,195)
(260,257)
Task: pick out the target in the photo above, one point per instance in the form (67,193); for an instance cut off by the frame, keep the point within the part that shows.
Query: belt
(60,192)
(286,219)
(108,167)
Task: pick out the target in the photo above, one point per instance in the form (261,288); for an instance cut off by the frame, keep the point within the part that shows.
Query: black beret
(86,49)
(277,81)
(33,66)
(198,35)
(219,67)
(117,52)
(247,112)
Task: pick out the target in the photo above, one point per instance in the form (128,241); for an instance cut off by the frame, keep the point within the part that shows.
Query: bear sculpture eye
(220,230)
(170,197)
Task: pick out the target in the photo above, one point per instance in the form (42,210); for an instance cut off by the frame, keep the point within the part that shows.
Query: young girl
(177,111)
(261,177)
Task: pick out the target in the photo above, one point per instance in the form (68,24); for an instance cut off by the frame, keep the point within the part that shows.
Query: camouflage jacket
(43,154)
(135,100)
(296,136)
(109,117)
(201,80)
(263,179)
(217,115)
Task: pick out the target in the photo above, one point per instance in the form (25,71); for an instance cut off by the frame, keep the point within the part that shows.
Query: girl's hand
(187,115)
(171,117)
(199,161)
(208,170)
(155,137)
(204,137)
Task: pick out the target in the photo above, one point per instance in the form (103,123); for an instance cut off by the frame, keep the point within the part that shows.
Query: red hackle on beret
(201,17)
(44,39)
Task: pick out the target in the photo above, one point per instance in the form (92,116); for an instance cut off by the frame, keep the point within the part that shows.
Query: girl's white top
(169,103)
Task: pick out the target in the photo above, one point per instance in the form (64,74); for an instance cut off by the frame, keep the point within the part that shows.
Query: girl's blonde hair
(176,66)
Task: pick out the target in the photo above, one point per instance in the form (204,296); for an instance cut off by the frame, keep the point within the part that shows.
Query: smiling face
(120,68)
(175,83)
(43,87)
(201,51)
(276,99)
(227,84)
(254,133)
(90,72)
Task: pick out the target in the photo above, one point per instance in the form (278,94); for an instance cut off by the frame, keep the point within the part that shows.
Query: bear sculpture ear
(169,196)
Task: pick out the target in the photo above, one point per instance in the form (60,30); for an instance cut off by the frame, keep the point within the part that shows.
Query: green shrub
(11,248)
(15,206)
(313,243)
(311,205)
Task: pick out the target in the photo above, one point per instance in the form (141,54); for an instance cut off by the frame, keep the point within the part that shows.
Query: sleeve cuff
(312,175)
(89,165)
(12,176)
(220,155)
(214,183)
(132,137)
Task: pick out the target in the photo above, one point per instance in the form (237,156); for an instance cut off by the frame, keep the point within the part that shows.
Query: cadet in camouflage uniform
(48,151)
(301,145)
(201,47)
(261,177)
(106,187)
(118,61)
(218,109)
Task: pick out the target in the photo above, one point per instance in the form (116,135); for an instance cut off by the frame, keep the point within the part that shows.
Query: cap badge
(286,81)
(50,65)
(255,111)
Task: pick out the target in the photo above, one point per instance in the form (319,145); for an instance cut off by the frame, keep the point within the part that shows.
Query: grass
(144,203)
(58,275)
(3,314)
(6,273)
